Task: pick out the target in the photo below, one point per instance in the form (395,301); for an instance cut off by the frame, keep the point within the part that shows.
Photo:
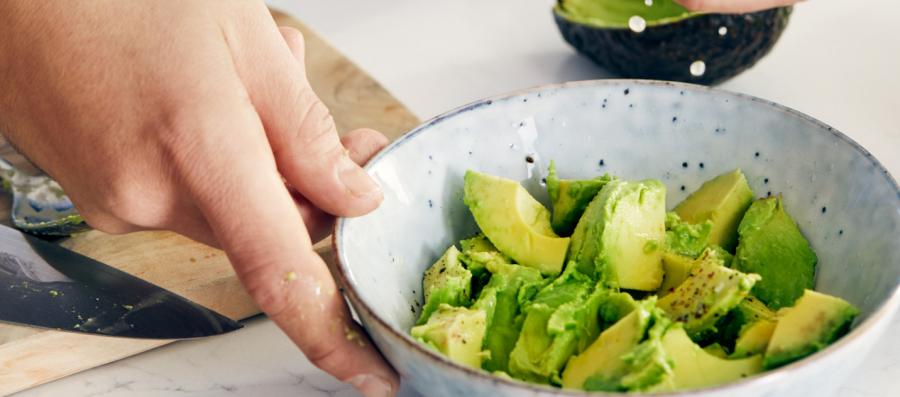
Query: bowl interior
(846,204)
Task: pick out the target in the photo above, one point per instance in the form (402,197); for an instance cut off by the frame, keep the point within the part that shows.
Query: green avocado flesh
(721,200)
(516,223)
(709,292)
(637,299)
(570,198)
(620,237)
(616,13)
(813,323)
(772,246)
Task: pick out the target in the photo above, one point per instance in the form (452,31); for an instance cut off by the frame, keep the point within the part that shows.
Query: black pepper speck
(701,165)
(602,163)
(766,180)
(682,188)
(631,105)
(627,91)
(824,209)
(430,204)
(756,154)
(529,159)
(684,164)
(768,194)
(489,102)
(841,232)
(674,119)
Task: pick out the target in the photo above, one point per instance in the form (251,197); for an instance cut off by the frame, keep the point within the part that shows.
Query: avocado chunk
(676,269)
(732,325)
(516,223)
(683,238)
(569,198)
(445,282)
(561,320)
(722,200)
(694,368)
(500,301)
(709,292)
(672,38)
(754,338)
(618,360)
(477,252)
(717,350)
(814,322)
(773,246)
(456,332)
(620,237)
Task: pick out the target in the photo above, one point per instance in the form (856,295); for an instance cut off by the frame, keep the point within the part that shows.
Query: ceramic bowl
(845,202)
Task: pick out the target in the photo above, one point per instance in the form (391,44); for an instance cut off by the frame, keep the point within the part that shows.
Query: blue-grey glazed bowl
(845,202)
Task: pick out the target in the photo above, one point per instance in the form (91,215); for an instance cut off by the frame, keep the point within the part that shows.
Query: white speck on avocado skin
(637,24)
(698,68)
(723,31)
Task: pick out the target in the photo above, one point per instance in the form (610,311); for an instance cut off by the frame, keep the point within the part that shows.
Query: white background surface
(837,62)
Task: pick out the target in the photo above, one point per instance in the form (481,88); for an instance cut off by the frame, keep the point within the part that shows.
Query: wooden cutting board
(29,357)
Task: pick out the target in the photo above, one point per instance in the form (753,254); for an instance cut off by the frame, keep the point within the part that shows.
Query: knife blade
(45,285)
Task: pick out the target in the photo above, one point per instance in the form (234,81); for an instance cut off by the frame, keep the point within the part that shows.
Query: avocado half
(672,38)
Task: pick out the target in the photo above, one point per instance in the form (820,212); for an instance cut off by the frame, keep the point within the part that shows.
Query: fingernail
(371,386)
(356,179)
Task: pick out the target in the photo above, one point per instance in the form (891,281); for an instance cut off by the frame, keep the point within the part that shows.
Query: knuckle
(327,356)
(313,130)
(266,288)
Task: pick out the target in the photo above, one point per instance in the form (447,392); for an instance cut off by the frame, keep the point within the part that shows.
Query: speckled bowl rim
(885,309)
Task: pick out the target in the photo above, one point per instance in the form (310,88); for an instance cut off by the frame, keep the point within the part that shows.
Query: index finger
(733,6)
(256,222)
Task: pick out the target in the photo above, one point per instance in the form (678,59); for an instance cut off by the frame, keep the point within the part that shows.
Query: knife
(45,285)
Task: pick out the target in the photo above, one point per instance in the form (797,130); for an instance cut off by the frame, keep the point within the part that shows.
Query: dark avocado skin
(665,52)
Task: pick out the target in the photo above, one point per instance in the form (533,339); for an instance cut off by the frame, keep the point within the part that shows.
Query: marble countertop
(835,62)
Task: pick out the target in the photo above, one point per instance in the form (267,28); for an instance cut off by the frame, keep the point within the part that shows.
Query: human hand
(734,6)
(185,116)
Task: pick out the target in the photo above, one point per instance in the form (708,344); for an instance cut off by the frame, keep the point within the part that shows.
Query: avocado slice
(569,198)
(516,223)
(456,332)
(773,246)
(815,321)
(672,38)
(500,301)
(618,360)
(686,239)
(754,338)
(445,282)
(561,320)
(620,236)
(722,200)
(709,292)
(694,368)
